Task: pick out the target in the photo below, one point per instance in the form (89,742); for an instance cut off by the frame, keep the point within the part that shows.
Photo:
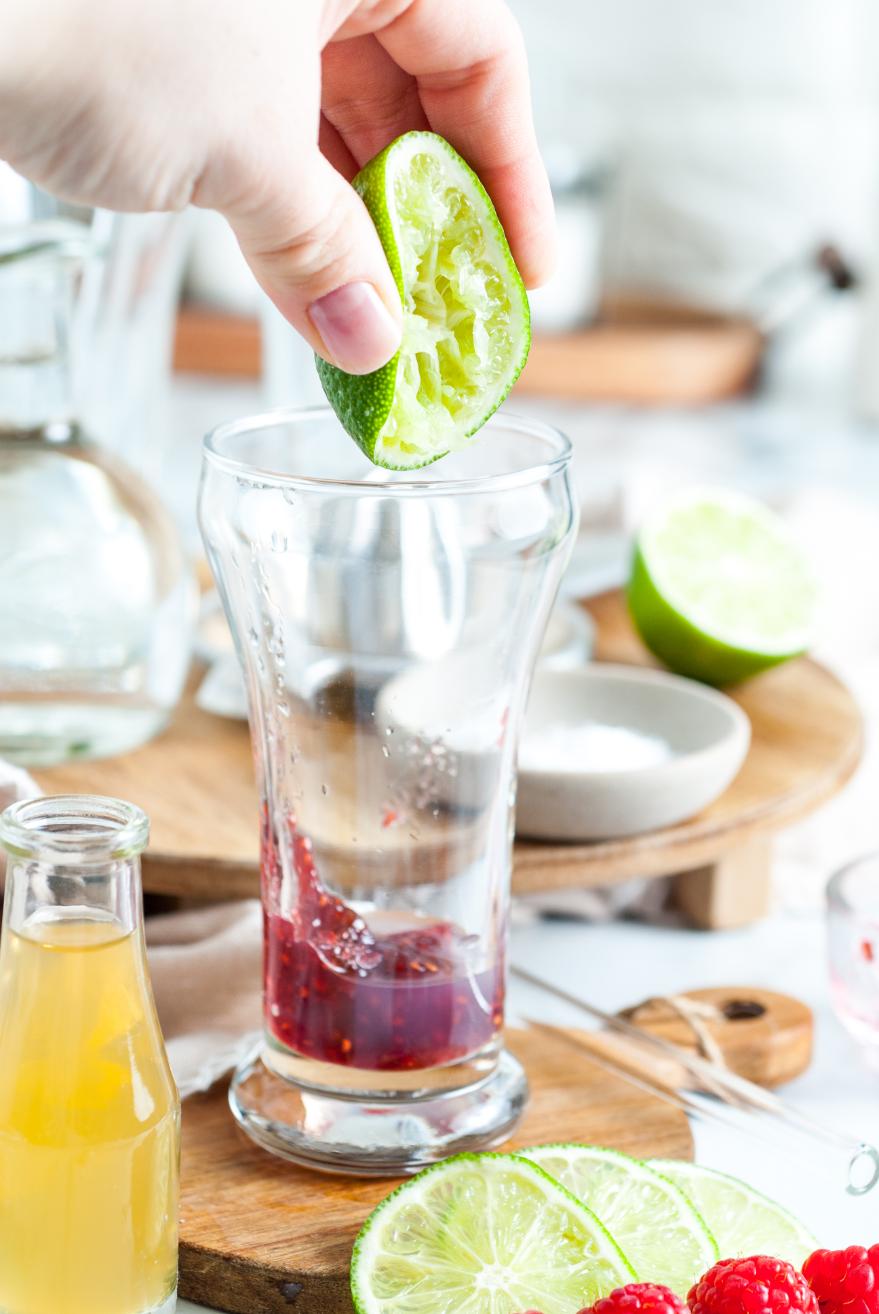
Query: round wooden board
(196,784)
(259,1235)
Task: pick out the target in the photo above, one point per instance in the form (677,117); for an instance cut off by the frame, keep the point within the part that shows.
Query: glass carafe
(89,1114)
(96,598)
(387,626)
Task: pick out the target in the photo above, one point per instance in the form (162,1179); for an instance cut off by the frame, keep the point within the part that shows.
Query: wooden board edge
(242,1286)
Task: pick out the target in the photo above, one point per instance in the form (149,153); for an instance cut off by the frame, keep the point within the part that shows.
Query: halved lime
(719,590)
(483,1234)
(466,325)
(653,1223)
(743,1221)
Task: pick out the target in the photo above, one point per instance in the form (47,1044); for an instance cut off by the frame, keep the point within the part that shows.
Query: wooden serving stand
(196,783)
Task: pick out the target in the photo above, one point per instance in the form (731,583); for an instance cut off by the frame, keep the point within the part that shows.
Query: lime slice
(483,1234)
(466,325)
(654,1224)
(719,590)
(743,1221)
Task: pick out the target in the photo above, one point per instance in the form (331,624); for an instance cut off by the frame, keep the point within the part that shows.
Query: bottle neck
(73,859)
(38,303)
(38,892)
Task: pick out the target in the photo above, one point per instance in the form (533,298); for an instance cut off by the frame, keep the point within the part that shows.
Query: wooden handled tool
(757,1034)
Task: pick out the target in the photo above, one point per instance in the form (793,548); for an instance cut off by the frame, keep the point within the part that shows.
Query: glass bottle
(388,626)
(96,599)
(89,1113)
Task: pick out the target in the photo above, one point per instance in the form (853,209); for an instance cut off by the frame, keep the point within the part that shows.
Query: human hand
(263,111)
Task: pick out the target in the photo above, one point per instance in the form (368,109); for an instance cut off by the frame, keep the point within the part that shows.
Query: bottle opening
(74,826)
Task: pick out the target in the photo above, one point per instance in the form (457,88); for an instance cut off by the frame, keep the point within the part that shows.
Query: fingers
(367,97)
(315,251)
(332,148)
(468,59)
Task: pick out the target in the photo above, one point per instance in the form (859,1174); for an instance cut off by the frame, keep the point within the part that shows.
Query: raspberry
(760,1285)
(645,1297)
(845,1281)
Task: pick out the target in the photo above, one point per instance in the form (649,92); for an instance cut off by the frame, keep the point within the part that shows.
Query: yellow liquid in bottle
(89,1126)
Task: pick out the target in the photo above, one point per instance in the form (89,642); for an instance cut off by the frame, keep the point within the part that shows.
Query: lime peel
(466,326)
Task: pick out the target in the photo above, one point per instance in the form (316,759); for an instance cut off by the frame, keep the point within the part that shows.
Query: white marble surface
(619,963)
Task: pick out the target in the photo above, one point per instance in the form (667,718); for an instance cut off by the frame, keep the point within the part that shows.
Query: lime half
(483,1234)
(743,1221)
(659,1231)
(466,326)
(719,590)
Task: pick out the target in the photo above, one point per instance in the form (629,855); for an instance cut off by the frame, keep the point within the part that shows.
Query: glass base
(343,1133)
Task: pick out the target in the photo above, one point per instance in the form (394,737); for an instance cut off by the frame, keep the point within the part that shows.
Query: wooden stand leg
(731,892)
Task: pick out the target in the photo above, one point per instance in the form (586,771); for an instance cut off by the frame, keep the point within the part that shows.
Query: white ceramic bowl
(611,751)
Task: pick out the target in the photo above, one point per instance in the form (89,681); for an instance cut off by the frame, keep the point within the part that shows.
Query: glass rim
(528,474)
(836,884)
(72,827)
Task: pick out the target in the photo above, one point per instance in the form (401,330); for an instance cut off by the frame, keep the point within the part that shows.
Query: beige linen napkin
(206,971)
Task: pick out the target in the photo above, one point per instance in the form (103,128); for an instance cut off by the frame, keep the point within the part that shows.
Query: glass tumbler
(387,624)
(853,943)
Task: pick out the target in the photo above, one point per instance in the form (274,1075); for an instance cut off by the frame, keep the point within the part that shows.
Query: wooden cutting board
(196,783)
(643,352)
(259,1235)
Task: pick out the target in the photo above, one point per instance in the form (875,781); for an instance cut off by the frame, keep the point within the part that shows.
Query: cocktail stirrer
(700,1075)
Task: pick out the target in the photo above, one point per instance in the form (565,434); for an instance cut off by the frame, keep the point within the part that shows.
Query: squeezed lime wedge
(652,1221)
(719,590)
(743,1221)
(483,1234)
(466,325)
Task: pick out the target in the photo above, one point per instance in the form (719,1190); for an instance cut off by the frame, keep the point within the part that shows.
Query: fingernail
(356,327)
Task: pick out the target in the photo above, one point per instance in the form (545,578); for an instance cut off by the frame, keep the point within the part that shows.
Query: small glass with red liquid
(387,625)
(853,942)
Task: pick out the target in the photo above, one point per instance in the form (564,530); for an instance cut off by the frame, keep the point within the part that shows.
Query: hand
(264,110)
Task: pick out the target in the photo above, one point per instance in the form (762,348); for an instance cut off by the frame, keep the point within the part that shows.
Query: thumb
(315,251)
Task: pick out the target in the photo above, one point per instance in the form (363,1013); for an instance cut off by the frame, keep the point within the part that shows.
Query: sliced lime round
(658,1230)
(466,326)
(743,1221)
(483,1234)
(719,590)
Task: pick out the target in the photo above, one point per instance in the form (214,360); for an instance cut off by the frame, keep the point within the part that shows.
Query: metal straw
(735,1092)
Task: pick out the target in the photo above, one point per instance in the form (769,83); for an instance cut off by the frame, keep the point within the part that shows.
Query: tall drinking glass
(387,624)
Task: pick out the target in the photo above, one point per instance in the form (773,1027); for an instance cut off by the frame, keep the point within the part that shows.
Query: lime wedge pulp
(466,326)
(652,1221)
(743,1221)
(483,1234)
(719,590)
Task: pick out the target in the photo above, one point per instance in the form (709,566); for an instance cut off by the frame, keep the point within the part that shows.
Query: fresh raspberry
(845,1281)
(645,1297)
(760,1285)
